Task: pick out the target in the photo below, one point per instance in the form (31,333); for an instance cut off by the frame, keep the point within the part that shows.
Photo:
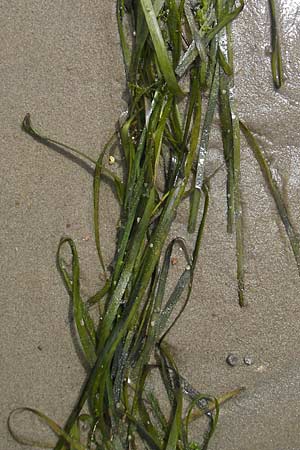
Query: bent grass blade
(293,236)
(49,422)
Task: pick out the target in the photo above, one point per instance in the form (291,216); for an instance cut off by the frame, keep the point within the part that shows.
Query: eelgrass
(172,49)
(276,59)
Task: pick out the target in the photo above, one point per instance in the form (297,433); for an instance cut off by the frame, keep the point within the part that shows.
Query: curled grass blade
(188,275)
(213,421)
(99,295)
(210,404)
(200,401)
(50,423)
(28,128)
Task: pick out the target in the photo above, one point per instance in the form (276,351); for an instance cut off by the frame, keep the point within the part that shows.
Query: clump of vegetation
(179,65)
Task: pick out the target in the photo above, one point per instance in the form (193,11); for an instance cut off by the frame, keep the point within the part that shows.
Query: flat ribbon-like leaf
(160,48)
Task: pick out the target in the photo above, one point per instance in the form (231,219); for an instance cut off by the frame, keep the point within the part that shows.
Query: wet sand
(61,62)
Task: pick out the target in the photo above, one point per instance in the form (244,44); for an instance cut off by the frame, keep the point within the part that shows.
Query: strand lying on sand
(176,53)
(276,60)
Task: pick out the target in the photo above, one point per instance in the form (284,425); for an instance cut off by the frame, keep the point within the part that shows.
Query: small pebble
(232,360)
(248,360)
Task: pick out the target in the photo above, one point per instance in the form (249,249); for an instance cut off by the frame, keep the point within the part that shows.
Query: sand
(61,62)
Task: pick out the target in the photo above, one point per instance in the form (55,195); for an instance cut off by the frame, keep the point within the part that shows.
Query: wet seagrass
(178,58)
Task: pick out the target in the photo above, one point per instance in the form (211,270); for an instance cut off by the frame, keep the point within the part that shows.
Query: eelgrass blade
(96,189)
(174,298)
(84,323)
(189,272)
(200,401)
(156,410)
(141,34)
(203,149)
(174,388)
(176,423)
(192,52)
(275,192)
(160,48)
(160,314)
(75,434)
(225,20)
(276,58)
(199,41)
(174,28)
(116,299)
(50,423)
(144,434)
(227,138)
(193,115)
(199,237)
(99,295)
(123,34)
(231,145)
(142,410)
(210,404)
(213,421)
(28,128)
